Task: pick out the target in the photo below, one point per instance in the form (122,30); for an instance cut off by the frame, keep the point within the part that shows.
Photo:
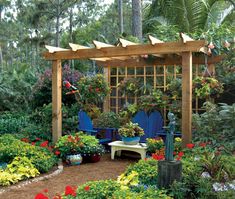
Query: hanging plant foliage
(205,87)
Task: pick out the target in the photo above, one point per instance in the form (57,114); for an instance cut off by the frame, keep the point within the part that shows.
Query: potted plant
(107,120)
(91,150)
(155,101)
(92,153)
(69,147)
(129,86)
(130,133)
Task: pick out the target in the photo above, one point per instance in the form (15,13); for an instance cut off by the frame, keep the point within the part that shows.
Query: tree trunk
(57,42)
(137,19)
(120,15)
(1,59)
(71,24)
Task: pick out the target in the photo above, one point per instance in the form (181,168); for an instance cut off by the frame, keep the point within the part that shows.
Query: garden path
(72,175)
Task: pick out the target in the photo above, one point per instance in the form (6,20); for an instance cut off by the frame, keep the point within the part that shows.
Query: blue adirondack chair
(151,124)
(85,124)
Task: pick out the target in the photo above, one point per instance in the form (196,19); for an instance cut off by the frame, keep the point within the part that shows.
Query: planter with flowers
(130,133)
(155,101)
(205,87)
(69,148)
(91,150)
(92,89)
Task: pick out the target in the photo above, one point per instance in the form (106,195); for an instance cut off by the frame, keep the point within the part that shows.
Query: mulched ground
(73,175)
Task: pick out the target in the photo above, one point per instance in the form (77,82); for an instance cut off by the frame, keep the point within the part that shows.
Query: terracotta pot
(91,158)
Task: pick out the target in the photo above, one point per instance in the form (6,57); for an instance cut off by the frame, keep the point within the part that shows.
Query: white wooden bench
(118,146)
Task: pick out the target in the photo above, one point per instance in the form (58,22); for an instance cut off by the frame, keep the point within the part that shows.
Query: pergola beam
(176,60)
(140,49)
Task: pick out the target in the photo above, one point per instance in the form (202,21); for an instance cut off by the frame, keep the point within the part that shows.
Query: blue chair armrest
(92,132)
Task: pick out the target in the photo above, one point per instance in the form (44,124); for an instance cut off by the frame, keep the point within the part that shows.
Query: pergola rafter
(129,53)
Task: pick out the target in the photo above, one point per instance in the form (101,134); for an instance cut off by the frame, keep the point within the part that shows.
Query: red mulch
(72,175)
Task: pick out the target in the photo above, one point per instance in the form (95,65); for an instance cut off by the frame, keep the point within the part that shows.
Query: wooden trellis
(129,55)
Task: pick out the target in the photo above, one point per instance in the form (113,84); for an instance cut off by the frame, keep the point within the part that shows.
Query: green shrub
(13,122)
(107,120)
(216,124)
(11,147)
(141,193)
(98,189)
(147,170)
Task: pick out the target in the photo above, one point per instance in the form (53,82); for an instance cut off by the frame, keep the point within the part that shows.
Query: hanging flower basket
(129,86)
(205,87)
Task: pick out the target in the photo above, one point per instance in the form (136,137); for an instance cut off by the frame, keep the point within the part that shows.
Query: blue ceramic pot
(131,140)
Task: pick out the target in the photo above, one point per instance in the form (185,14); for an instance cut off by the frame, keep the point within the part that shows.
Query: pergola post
(186,98)
(56,100)
(106,103)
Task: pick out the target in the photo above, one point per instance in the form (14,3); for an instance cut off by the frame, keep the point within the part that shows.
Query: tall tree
(120,15)
(137,19)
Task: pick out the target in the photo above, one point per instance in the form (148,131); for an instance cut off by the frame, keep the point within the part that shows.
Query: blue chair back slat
(155,124)
(84,121)
(141,118)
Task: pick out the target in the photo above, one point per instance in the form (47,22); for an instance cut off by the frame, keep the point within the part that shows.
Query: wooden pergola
(129,53)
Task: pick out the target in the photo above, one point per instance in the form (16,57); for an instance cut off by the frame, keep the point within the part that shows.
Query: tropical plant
(107,120)
(192,15)
(130,130)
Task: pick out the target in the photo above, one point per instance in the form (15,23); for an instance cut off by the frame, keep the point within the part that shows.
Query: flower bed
(24,160)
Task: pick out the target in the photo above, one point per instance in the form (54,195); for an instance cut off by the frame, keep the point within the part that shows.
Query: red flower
(37,139)
(25,139)
(97,90)
(40,196)
(190,145)
(57,152)
(33,143)
(174,153)
(202,144)
(181,153)
(178,158)
(158,157)
(86,188)
(45,190)
(70,191)
(44,144)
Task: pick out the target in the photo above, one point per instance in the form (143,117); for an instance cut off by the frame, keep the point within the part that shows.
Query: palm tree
(189,15)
